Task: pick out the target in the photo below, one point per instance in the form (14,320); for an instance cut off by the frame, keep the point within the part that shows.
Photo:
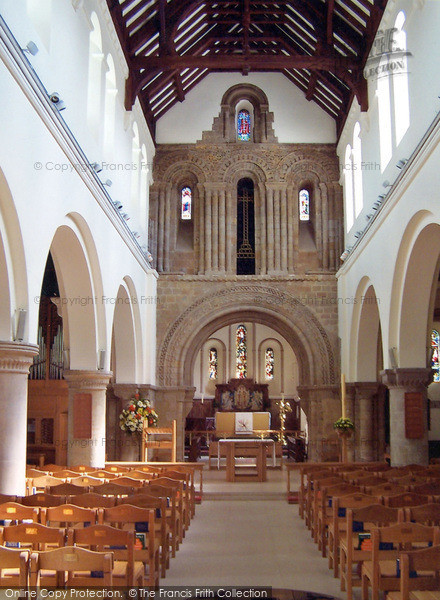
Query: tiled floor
(246,534)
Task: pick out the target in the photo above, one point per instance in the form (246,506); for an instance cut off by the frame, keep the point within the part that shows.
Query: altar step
(245,496)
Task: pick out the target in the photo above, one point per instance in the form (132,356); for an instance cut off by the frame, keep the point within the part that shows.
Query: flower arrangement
(138,412)
(343,424)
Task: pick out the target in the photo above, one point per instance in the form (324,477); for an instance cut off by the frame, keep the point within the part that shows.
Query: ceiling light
(402,163)
(56,101)
(32,48)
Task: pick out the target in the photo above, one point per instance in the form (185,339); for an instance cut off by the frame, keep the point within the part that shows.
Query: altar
(248,448)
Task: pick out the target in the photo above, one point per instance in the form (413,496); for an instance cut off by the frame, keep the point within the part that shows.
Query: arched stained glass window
(213,363)
(186,203)
(304,205)
(435,361)
(244,125)
(241,352)
(269,361)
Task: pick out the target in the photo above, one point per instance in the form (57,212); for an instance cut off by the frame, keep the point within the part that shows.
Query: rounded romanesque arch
(267,305)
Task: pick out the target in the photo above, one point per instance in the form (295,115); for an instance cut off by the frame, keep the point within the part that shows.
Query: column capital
(366,388)
(410,379)
(16,357)
(87,380)
(306,390)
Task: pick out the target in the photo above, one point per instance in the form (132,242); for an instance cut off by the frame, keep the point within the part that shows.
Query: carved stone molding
(366,389)
(410,379)
(283,307)
(87,380)
(16,357)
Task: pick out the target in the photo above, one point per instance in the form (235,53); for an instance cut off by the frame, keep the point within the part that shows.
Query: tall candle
(203,398)
(343,398)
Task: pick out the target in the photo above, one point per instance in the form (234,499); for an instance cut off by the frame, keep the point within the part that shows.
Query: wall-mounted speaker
(21,324)
(101,359)
(393,359)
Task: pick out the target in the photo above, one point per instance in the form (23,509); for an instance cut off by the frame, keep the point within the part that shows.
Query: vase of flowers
(132,420)
(344,427)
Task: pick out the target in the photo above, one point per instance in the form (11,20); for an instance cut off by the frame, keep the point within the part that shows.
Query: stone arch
(414,275)
(79,278)
(124,347)
(279,310)
(13,278)
(365,333)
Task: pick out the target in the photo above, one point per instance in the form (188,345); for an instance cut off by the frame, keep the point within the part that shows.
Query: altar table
(250,448)
(269,442)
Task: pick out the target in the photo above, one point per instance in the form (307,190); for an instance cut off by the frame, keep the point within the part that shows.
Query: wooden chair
(42,499)
(17,513)
(68,515)
(325,511)
(31,473)
(419,570)
(408,481)
(66,474)
(103,538)
(172,512)
(311,476)
(34,535)
(118,469)
(168,443)
(314,505)
(430,488)
(381,573)
(67,489)
(427,514)
(405,499)
(302,492)
(382,490)
(113,489)
(189,495)
(337,528)
(159,505)
(353,551)
(128,481)
(82,469)
(14,564)
(92,500)
(164,483)
(86,481)
(52,468)
(192,473)
(149,469)
(104,475)
(44,482)
(71,566)
(141,521)
(141,475)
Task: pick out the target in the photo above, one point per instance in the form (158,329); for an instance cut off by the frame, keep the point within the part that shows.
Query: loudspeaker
(101,360)
(66,359)
(21,324)
(392,355)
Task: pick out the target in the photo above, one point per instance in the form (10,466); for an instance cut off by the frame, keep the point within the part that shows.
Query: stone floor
(246,534)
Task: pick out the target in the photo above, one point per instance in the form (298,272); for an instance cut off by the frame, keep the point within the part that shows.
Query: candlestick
(203,398)
(343,398)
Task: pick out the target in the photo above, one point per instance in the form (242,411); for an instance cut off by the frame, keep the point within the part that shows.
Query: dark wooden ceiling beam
(275,63)
(179,87)
(312,85)
(330,8)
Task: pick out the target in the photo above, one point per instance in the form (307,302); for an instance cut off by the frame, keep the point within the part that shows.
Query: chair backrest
(405,499)
(402,535)
(139,475)
(427,514)
(42,499)
(86,481)
(411,563)
(32,534)
(18,512)
(52,468)
(384,489)
(117,469)
(128,481)
(43,482)
(82,469)
(68,515)
(7,498)
(113,489)
(84,568)
(66,473)
(102,474)
(104,538)
(431,488)
(31,472)
(12,558)
(140,520)
(149,469)
(67,489)
(92,500)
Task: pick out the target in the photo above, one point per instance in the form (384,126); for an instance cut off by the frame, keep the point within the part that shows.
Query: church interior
(238,232)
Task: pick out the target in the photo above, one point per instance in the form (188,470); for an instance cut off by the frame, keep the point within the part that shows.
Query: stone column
(167,229)
(350,393)
(201,229)
(284,236)
(324,226)
(87,404)
(277,227)
(215,231)
(365,422)
(263,239)
(231,225)
(160,230)
(15,360)
(407,450)
(222,231)
(270,230)
(294,241)
(208,232)
(323,408)
(175,403)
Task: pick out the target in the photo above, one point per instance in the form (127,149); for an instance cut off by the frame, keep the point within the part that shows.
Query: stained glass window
(186,201)
(241,352)
(435,361)
(269,363)
(304,205)
(213,363)
(244,125)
